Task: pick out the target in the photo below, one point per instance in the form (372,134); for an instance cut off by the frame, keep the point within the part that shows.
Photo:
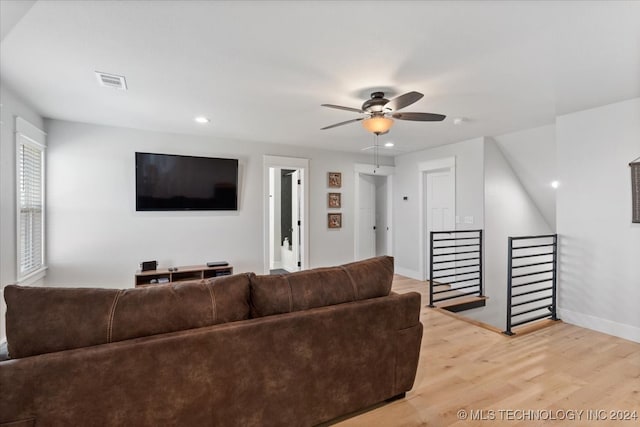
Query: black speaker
(148,265)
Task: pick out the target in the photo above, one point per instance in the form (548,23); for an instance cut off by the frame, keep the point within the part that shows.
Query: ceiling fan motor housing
(376,103)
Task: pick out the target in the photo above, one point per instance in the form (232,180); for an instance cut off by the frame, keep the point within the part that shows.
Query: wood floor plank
(552,370)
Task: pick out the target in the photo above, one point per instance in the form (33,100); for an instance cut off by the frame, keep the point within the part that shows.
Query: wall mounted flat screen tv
(167,182)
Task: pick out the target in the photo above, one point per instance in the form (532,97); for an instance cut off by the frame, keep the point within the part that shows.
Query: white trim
(31,141)
(424,168)
(368,169)
(31,130)
(431,165)
(628,332)
(287,163)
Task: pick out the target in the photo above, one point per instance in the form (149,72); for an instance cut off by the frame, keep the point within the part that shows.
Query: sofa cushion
(43,320)
(321,287)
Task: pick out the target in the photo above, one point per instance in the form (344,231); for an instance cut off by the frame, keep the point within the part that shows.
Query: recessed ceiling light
(389,144)
(202,119)
(555,184)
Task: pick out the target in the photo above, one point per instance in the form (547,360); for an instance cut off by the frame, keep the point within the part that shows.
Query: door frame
(302,165)
(368,169)
(424,168)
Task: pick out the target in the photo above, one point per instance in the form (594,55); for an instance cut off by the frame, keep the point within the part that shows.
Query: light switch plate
(468,220)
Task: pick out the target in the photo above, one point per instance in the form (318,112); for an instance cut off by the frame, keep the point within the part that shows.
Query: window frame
(29,135)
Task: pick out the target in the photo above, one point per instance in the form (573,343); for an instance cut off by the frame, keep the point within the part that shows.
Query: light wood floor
(559,368)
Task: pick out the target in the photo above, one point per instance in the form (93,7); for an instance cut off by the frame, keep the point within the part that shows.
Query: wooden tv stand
(185,273)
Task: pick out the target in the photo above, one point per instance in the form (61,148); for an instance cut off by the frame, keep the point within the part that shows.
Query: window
(30,148)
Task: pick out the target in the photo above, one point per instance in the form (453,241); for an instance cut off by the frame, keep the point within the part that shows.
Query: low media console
(180,274)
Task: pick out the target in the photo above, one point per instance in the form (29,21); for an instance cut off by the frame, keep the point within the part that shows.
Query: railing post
(509,280)
(481,261)
(431,270)
(554,312)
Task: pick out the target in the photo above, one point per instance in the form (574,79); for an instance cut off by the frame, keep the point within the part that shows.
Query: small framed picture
(335,179)
(335,200)
(335,220)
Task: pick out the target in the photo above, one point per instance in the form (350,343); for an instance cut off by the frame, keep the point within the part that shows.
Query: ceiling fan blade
(403,101)
(419,117)
(342,123)
(340,107)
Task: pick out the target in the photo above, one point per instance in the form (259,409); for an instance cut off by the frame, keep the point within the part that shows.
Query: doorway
(284,196)
(373,196)
(286,213)
(437,192)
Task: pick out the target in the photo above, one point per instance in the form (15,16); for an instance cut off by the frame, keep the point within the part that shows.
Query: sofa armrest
(409,339)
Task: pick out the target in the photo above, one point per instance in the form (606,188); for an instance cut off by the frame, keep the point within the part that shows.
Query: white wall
(532,156)
(509,211)
(600,247)
(469,197)
(97,238)
(12,107)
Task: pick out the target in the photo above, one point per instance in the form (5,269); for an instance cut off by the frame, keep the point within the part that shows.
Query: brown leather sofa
(242,350)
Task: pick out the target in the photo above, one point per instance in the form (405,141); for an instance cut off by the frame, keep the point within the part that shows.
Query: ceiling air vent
(113,81)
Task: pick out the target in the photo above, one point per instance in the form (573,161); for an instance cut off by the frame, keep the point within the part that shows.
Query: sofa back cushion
(321,287)
(43,320)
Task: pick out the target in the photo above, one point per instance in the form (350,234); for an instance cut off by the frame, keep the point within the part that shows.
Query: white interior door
(382,223)
(272,237)
(295,219)
(366,247)
(440,205)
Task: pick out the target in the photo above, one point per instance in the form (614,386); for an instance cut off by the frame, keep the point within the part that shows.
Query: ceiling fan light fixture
(377,124)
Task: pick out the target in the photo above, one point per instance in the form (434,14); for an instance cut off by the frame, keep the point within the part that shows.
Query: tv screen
(167,182)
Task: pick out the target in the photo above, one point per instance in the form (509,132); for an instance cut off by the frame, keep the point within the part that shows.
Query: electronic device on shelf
(148,265)
(217,264)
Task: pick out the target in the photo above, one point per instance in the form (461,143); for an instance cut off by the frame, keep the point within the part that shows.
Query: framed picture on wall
(335,179)
(335,220)
(334,200)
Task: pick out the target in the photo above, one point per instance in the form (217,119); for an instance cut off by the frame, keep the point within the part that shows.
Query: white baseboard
(628,332)
(412,274)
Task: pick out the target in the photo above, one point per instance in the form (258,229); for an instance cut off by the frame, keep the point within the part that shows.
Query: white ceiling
(260,70)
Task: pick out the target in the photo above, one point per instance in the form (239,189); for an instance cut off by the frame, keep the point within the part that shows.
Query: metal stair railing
(457,257)
(532,268)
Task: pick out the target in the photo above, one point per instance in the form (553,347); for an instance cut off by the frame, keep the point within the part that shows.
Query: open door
(296,188)
(366,245)
(286,215)
(373,219)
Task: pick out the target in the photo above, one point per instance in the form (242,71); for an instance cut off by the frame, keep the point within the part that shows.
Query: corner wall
(532,156)
(509,211)
(599,246)
(12,107)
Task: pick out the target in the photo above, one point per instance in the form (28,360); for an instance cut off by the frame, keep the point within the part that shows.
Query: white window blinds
(30,204)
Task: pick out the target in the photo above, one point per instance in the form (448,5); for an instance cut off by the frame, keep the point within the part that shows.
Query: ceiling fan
(379,112)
